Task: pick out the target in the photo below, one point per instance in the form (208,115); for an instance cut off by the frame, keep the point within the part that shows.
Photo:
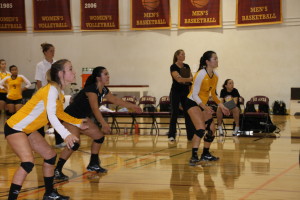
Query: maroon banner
(199,14)
(254,12)
(150,14)
(52,15)
(12,15)
(99,15)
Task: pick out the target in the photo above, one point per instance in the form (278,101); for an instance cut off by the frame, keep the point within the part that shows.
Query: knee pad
(200,133)
(27,166)
(100,141)
(51,161)
(209,137)
(208,123)
(75,146)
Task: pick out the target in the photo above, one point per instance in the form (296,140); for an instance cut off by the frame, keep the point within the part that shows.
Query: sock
(94,159)
(205,150)
(220,129)
(236,129)
(195,152)
(60,164)
(49,184)
(14,191)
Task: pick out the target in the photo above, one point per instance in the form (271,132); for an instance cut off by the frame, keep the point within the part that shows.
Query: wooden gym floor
(145,167)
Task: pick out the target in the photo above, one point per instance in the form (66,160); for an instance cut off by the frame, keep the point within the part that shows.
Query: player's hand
(105,128)
(225,110)
(70,140)
(208,109)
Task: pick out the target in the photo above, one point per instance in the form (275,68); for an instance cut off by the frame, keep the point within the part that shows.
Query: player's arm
(118,101)
(180,79)
(93,101)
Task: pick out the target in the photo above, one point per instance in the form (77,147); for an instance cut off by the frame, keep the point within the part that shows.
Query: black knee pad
(100,141)
(200,133)
(27,166)
(51,161)
(76,146)
(209,137)
(208,123)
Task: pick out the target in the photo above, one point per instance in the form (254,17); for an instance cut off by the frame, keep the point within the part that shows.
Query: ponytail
(206,56)
(92,79)
(52,74)
(225,83)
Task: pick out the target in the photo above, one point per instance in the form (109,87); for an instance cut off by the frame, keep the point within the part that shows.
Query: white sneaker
(171,139)
(236,131)
(61,145)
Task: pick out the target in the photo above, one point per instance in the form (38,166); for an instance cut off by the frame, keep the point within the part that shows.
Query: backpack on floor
(279,108)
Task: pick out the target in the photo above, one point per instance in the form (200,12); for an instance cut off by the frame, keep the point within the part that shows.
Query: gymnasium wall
(262,60)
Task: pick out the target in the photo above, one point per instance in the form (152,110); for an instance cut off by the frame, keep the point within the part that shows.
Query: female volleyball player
(85,104)
(3,92)
(229,93)
(204,85)
(182,79)
(14,89)
(21,129)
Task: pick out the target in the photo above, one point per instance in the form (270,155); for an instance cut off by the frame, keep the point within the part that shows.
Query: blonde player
(204,86)
(21,129)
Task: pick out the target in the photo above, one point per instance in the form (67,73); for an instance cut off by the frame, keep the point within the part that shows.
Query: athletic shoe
(58,175)
(194,161)
(208,157)
(171,139)
(55,195)
(61,145)
(96,168)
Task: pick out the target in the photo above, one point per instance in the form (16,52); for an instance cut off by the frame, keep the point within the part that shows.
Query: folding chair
(148,104)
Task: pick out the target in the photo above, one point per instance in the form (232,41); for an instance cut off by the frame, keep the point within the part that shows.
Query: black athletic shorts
(3,96)
(9,131)
(18,101)
(190,103)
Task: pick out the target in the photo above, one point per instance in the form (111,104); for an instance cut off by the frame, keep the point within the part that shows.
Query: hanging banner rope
(150,14)
(253,12)
(12,16)
(99,15)
(52,15)
(199,14)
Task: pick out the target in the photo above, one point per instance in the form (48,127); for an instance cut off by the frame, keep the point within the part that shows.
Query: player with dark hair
(204,86)
(85,104)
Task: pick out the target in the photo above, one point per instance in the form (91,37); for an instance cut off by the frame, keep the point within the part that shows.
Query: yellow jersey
(203,87)
(44,106)
(14,86)
(2,76)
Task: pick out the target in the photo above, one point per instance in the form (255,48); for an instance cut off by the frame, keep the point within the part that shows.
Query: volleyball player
(85,104)
(204,85)
(14,89)
(21,129)
(3,93)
